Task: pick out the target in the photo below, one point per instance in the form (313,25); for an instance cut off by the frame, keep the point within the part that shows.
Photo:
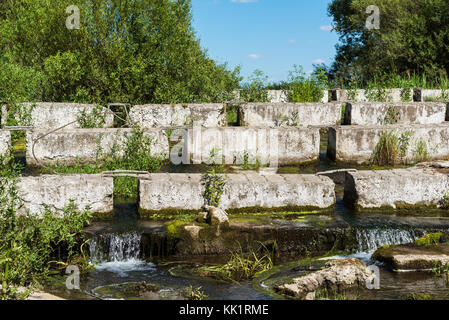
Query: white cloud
(254,56)
(318,61)
(244,1)
(292,41)
(326,28)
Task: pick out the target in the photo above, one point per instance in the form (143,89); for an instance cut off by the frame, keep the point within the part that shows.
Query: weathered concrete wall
(56,191)
(377,113)
(51,115)
(5,141)
(400,188)
(362,95)
(184,192)
(284,114)
(422,95)
(283,145)
(357,143)
(66,146)
(208,115)
(280,96)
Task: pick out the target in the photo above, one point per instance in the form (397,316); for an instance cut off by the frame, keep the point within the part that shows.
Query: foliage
(421,152)
(306,89)
(391,148)
(429,239)
(324,294)
(28,242)
(241,266)
(212,180)
(416,296)
(246,165)
(439,269)
(132,51)
(392,116)
(93,119)
(445,201)
(133,153)
(411,42)
(255,90)
(195,294)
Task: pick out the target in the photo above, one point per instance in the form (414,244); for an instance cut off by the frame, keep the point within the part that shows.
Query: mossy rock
(412,256)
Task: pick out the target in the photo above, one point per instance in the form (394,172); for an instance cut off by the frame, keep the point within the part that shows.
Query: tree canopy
(413,38)
(135,51)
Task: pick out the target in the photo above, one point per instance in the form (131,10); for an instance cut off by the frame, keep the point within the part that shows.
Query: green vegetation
(124,51)
(418,296)
(439,269)
(94,119)
(29,244)
(133,154)
(241,266)
(391,148)
(213,181)
(417,56)
(246,165)
(255,90)
(306,89)
(195,294)
(324,294)
(421,152)
(392,116)
(429,239)
(444,204)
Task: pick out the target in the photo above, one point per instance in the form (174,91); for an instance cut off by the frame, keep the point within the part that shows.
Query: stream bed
(120,262)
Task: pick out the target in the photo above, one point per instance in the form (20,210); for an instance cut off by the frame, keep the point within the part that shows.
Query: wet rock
(336,275)
(412,256)
(216,216)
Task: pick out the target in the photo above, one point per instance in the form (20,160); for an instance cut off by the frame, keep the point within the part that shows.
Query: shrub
(29,242)
(255,90)
(391,148)
(428,239)
(305,89)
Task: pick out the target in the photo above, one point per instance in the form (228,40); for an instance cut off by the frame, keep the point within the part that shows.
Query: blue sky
(270,35)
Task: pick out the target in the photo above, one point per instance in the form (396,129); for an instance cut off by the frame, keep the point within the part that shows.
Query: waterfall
(114,247)
(369,239)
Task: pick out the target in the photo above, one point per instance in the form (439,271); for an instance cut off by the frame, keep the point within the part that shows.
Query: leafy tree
(413,39)
(135,51)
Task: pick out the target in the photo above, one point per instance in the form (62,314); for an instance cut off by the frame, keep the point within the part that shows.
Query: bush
(255,90)
(28,242)
(303,89)
(391,148)
(124,51)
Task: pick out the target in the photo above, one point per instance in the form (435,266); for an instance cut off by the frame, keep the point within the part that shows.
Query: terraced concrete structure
(52,115)
(283,145)
(357,143)
(5,141)
(399,188)
(85,145)
(157,115)
(280,96)
(55,191)
(378,113)
(430,95)
(252,190)
(390,95)
(290,114)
